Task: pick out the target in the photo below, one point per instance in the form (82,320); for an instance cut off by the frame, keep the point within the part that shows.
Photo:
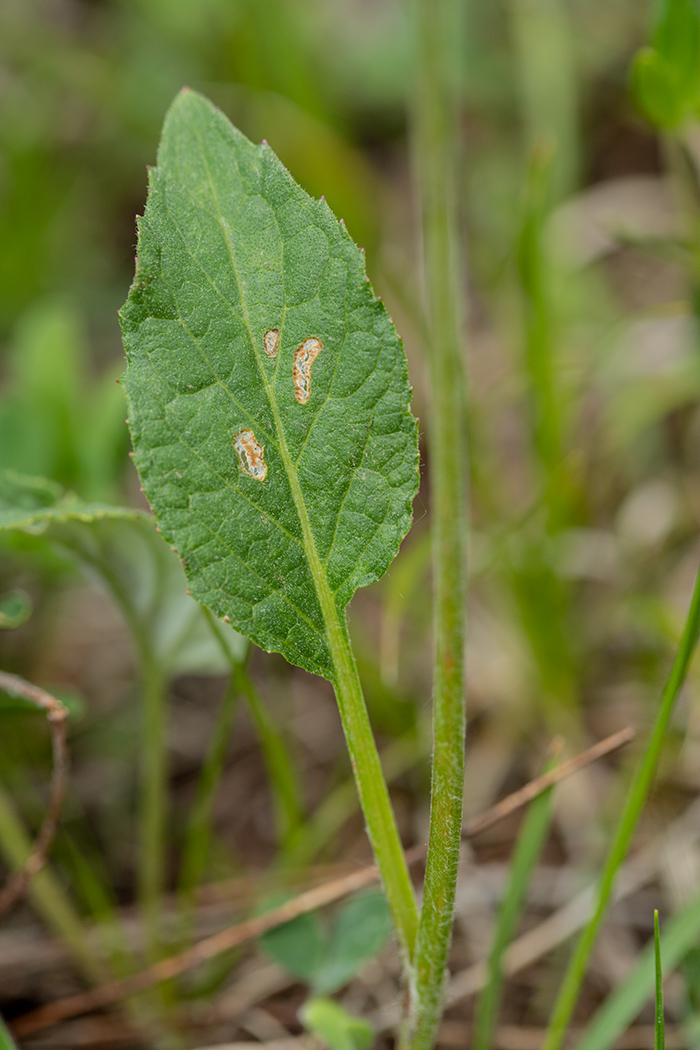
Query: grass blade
(634,803)
(659,1031)
(622,1006)
(6,1040)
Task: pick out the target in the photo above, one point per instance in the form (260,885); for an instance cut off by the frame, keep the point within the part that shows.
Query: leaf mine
(271,342)
(251,455)
(304,357)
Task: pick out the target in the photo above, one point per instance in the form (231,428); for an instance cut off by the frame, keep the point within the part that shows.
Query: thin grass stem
(153,803)
(624,1003)
(634,803)
(659,1024)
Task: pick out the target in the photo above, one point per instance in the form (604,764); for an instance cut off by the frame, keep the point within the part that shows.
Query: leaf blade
(281,554)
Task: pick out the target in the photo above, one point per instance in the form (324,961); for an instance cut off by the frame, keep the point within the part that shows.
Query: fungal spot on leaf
(304,357)
(251,455)
(271,341)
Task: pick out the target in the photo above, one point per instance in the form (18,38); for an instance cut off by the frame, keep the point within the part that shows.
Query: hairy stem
(435,138)
(634,803)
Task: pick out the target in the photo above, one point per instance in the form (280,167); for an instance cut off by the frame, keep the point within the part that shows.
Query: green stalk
(634,803)
(340,803)
(373,790)
(367,769)
(435,137)
(153,802)
(659,1026)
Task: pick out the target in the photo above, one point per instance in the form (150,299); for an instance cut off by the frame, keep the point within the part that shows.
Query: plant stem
(435,138)
(373,791)
(636,797)
(659,1025)
(153,808)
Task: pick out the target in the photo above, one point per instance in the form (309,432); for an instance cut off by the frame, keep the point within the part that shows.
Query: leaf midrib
(329,610)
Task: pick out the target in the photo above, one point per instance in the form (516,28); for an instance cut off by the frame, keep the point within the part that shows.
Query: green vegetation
(525,180)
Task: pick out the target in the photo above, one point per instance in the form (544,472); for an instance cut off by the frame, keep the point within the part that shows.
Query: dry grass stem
(56,713)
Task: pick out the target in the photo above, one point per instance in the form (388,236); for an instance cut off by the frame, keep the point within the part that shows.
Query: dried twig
(56,712)
(311,900)
(535,787)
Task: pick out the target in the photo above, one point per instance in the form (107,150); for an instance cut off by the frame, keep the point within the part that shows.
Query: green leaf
(297,945)
(360,932)
(15,609)
(666,77)
(334,1026)
(120,548)
(282,494)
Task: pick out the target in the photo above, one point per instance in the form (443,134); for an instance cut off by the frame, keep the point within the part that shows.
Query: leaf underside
(268,391)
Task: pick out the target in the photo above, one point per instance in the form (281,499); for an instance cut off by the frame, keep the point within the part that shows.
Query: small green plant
(269,409)
(328,959)
(268,403)
(666,75)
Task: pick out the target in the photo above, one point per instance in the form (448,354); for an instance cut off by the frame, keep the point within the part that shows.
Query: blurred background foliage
(583,355)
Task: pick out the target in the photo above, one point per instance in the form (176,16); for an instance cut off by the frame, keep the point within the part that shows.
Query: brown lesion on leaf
(304,357)
(251,455)
(271,342)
